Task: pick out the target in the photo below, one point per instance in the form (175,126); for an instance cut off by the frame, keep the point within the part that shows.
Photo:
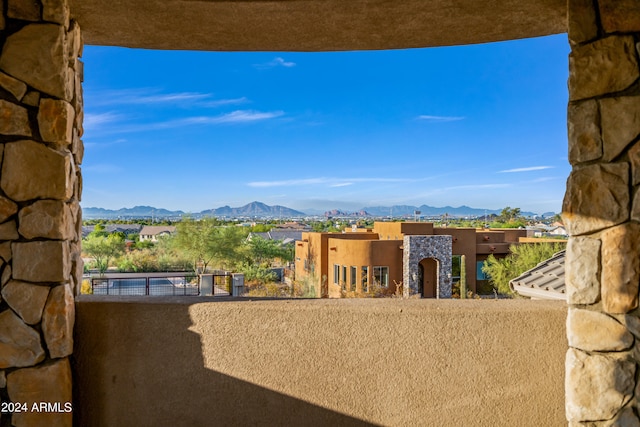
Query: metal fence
(140,284)
(222,284)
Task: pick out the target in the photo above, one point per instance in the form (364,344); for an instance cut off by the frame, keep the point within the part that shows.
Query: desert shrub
(85,287)
(257,274)
(272,289)
(523,257)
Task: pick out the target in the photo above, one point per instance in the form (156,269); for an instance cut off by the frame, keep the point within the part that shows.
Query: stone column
(602,213)
(40,221)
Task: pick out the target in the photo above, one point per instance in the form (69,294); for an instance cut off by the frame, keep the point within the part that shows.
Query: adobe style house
(358,259)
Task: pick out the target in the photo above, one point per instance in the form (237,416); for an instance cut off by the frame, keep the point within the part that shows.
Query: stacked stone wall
(602,213)
(418,248)
(40,220)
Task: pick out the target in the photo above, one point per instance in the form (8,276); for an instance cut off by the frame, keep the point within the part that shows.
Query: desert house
(357,259)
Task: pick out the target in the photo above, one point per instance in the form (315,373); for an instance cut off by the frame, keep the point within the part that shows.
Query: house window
(456,267)
(364,274)
(381,276)
(344,277)
(336,274)
(479,273)
(354,272)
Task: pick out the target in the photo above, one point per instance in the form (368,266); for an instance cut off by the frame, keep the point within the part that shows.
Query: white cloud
(477,187)
(144,96)
(276,62)
(238,116)
(543,179)
(168,98)
(529,169)
(439,119)
(147,96)
(331,182)
(222,102)
(96,121)
(280,61)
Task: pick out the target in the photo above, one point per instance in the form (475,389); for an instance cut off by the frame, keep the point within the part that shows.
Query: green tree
(509,218)
(103,249)
(261,228)
(227,244)
(204,242)
(194,240)
(523,257)
(509,214)
(99,230)
(143,260)
(262,250)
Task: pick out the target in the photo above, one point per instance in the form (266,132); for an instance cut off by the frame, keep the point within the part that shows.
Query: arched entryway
(428,277)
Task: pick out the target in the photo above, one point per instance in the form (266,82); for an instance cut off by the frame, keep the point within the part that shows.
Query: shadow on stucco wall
(145,367)
(195,361)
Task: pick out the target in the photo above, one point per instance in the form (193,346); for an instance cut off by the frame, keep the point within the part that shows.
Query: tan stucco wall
(396,230)
(359,253)
(314,25)
(188,362)
(315,247)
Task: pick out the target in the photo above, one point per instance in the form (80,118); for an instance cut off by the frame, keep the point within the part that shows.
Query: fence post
(206,284)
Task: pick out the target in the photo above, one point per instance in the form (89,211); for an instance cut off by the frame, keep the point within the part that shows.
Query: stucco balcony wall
(186,362)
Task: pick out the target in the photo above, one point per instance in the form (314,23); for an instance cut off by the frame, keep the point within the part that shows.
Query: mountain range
(261,210)
(253,209)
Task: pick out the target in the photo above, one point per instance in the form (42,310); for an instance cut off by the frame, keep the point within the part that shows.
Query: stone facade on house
(418,248)
(40,219)
(601,211)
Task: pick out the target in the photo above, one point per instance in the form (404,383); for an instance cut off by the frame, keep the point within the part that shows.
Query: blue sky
(480,125)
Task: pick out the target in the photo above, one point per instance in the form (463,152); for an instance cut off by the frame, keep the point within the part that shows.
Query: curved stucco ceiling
(313,25)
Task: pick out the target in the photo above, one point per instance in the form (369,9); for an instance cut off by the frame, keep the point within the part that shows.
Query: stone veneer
(418,248)
(601,210)
(40,219)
